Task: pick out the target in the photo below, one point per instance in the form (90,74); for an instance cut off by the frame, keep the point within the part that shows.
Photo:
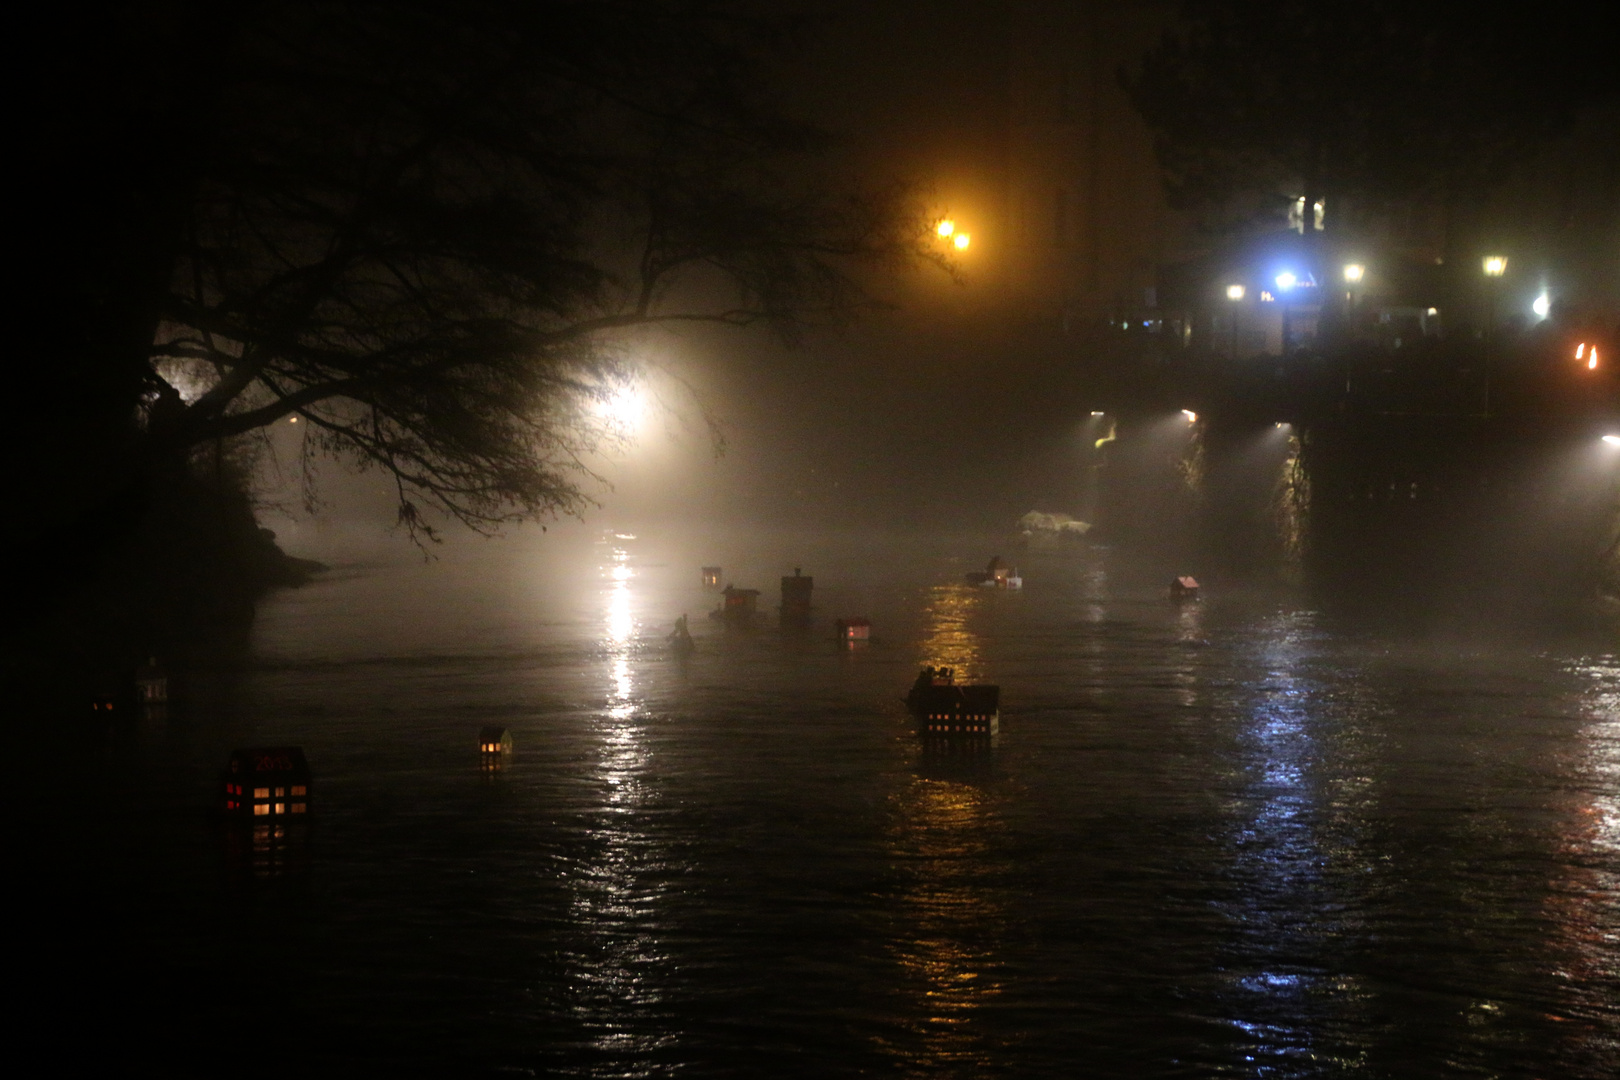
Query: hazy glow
(1096,412)
(962,241)
(1286,280)
(1192,417)
(945,228)
(1354,272)
(1542,305)
(1495,265)
(624,408)
(1235,292)
(1612,440)
(621,623)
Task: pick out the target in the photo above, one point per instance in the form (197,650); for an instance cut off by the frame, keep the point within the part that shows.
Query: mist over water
(1242,836)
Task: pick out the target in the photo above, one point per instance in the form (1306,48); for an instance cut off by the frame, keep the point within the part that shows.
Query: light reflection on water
(947,640)
(616,981)
(943,835)
(1230,838)
(1583,904)
(1295,852)
(946,924)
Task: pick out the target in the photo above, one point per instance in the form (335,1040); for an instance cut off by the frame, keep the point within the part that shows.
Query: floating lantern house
(266,782)
(737,605)
(1184,588)
(796,598)
(996,574)
(494,747)
(152,684)
(946,710)
(854,629)
(711,577)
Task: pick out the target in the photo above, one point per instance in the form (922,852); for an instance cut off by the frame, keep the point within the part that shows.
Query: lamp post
(1494,266)
(1285,284)
(1235,294)
(1353,273)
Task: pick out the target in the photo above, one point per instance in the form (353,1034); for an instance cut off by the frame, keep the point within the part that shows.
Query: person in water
(681,638)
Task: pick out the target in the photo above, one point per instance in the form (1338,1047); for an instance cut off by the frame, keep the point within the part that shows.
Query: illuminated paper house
(855,629)
(494,748)
(267,783)
(152,684)
(738,605)
(945,709)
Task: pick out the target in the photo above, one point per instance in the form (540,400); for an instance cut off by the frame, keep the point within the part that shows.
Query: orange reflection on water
(949,922)
(947,640)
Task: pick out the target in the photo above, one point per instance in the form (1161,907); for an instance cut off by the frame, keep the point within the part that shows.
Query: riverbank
(181,582)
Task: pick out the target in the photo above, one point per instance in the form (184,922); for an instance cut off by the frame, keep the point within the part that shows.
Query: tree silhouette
(425,229)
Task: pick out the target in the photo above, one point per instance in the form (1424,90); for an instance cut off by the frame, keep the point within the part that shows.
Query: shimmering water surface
(1230,838)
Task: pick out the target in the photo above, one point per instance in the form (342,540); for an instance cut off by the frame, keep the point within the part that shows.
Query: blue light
(1286,280)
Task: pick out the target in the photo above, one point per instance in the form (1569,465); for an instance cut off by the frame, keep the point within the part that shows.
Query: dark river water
(1231,838)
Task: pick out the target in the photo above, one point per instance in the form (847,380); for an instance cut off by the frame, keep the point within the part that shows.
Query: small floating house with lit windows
(855,628)
(947,710)
(494,748)
(736,605)
(997,575)
(266,783)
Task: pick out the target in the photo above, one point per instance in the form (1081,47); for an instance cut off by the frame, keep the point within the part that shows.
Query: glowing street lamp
(1192,417)
(1354,272)
(1286,280)
(1495,265)
(1589,354)
(1235,292)
(946,228)
(1542,305)
(961,240)
(1612,440)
